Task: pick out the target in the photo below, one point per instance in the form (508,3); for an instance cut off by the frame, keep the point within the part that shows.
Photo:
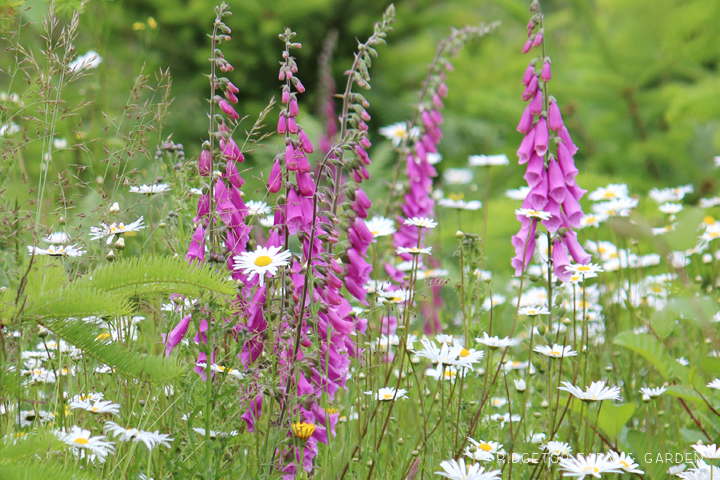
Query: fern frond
(46,274)
(157,369)
(32,470)
(76,300)
(18,448)
(157,275)
(11,385)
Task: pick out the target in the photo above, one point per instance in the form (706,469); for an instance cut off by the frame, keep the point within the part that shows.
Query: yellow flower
(303,430)
(138,26)
(152,23)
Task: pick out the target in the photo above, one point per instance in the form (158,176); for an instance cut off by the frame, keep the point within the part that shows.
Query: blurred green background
(637,80)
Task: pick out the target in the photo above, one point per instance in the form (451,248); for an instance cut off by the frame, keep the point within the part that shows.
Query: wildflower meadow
(357,240)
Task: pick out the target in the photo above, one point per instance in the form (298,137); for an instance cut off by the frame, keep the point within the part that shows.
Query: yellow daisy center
(387,396)
(484,446)
(374,232)
(263,261)
(456,196)
(584,268)
(303,430)
(331,411)
(624,465)
(555,352)
(94,409)
(81,441)
(708,220)
(465,352)
(609,195)
(591,470)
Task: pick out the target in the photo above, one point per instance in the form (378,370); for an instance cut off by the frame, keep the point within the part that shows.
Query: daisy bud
(120,244)
(110,257)
(115,208)
(63,220)
(42,331)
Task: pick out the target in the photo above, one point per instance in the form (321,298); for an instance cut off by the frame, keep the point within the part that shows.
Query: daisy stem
(442,410)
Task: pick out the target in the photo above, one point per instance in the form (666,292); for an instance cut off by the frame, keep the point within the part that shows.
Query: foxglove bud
(546,74)
(228,109)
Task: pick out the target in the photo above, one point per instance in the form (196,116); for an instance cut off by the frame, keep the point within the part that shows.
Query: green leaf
(647,347)
(129,362)
(612,418)
(701,309)
(686,393)
(685,234)
(158,275)
(663,322)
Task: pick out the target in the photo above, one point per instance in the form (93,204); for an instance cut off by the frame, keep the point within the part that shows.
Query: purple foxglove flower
(567,164)
(524,243)
(285,97)
(231,96)
(292,125)
(554,117)
(231,150)
(365,142)
(536,105)
(560,261)
(203,208)
(232,87)
(298,85)
(362,198)
(530,89)
(282,124)
(538,196)
(541,137)
(364,174)
(442,90)
(204,163)
(305,142)
(437,117)
(305,183)
(538,40)
(576,191)
(429,144)
(528,45)
(529,74)
(359,210)
(253,412)
(231,173)
(567,140)
(437,101)
(546,74)
(556,220)
(427,119)
(556,182)
(535,171)
(196,251)
(293,109)
(576,251)
(228,109)
(573,210)
(295,217)
(527,147)
(275,178)
(303,166)
(290,158)
(177,334)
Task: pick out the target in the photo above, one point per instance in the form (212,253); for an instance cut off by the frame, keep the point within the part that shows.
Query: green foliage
(157,276)
(647,347)
(129,362)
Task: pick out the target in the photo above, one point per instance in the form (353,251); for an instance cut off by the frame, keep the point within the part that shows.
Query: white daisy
(588,270)
(261,262)
(115,229)
(57,238)
(488,160)
(625,462)
(460,204)
(611,192)
(707,451)
(421,222)
(714,384)
(616,208)
(593,465)
(258,208)
(653,392)
(82,439)
(57,251)
(445,354)
(380,226)
(709,202)
(559,449)
(520,385)
(396,132)
(434,158)
(670,208)
(534,311)
(457,470)
(593,220)
(394,296)
(518,193)
(495,342)
(97,406)
(529,213)
(388,394)
(413,250)
(458,176)
(85,62)
(556,351)
(151,189)
(597,391)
